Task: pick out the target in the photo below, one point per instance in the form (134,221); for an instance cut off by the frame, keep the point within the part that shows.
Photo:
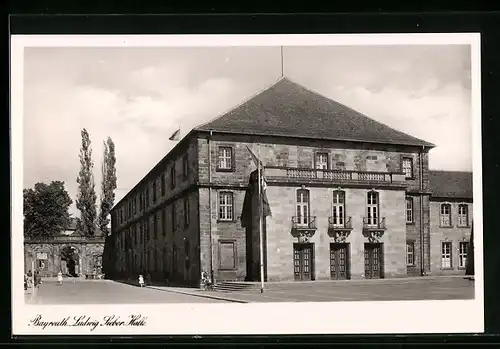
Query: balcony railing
(374,223)
(304,222)
(335,175)
(339,224)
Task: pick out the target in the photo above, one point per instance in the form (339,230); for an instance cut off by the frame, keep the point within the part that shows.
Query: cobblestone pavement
(105,292)
(441,288)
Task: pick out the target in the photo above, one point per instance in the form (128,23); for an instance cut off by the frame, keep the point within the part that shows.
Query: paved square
(439,288)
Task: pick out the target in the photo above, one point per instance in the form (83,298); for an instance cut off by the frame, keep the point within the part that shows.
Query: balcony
(334,224)
(304,222)
(374,224)
(317,175)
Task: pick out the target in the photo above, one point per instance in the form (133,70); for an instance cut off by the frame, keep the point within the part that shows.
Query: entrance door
(339,261)
(303,261)
(373,261)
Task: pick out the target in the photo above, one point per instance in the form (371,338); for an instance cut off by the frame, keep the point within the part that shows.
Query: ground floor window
(410,253)
(462,257)
(446,255)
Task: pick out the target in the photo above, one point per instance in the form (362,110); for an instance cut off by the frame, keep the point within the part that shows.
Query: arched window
(463,215)
(372,208)
(445,215)
(303,207)
(338,209)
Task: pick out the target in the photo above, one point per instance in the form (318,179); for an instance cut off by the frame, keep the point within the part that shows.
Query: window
(164,220)
(408,167)
(154,192)
(322,161)
(136,231)
(155,225)
(186,254)
(172,176)
(445,216)
(141,201)
(174,217)
(148,227)
(338,208)
(372,202)
(409,210)
(186,212)
(134,205)
(225,160)
(162,184)
(462,254)
(226,206)
(446,255)
(227,255)
(410,253)
(463,215)
(185,166)
(303,207)
(147,196)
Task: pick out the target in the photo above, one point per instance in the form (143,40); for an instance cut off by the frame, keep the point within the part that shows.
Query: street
(110,292)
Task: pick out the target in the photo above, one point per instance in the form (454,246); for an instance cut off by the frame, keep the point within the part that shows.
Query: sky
(140,96)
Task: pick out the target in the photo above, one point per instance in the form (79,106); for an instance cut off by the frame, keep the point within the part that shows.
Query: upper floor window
(463,215)
(409,210)
(162,184)
(338,208)
(408,167)
(164,220)
(225,161)
(372,208)
(174,216)
(185,167)
(226,206)
(445,215)
(321,161)
(303,207)
(147,197)
(172,176)
(154,192)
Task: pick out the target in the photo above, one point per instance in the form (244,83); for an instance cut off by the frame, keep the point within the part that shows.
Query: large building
(349,198)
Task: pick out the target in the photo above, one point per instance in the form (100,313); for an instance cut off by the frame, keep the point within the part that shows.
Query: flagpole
(260,221)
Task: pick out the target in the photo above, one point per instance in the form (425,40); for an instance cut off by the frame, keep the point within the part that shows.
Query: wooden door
(373,261)
(339,261)
(303,261)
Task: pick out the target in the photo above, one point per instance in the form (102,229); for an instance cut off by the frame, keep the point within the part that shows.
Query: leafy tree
(46,210)
(108,185)
(86,198)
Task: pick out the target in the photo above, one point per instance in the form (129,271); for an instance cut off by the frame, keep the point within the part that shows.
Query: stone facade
(46,254)
(457,234)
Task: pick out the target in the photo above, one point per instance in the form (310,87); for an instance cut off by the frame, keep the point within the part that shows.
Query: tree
(86,198)
(108,185)
(46,210)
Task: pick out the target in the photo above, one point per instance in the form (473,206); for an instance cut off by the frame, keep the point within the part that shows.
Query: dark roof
(289,109)
(451,184)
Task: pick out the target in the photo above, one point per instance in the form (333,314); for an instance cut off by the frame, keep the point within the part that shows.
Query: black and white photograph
(269,184)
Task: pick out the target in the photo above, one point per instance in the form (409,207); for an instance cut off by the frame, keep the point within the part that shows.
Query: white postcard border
(465,316)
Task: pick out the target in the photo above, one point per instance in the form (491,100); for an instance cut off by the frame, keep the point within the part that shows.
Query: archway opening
(69,255)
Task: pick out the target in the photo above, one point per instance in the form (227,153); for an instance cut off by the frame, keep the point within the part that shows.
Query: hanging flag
(252,189)
(255,158)
(176,135)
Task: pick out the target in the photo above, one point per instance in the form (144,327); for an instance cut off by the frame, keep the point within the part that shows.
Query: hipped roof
(289,109)
(451,184)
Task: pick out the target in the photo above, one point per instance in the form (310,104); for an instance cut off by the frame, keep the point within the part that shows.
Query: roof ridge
(355,111)
(268,87)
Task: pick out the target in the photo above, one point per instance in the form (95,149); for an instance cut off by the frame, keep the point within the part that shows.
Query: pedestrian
(141,280)
(38,279)
(30,278)
(25,282)
(59,278)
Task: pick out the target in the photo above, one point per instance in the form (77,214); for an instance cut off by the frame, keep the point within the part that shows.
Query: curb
(199,295)
(164,289)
